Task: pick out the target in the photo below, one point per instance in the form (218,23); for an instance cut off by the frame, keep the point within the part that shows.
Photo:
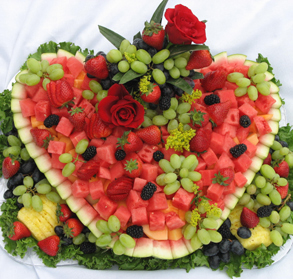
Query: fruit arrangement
(157,150)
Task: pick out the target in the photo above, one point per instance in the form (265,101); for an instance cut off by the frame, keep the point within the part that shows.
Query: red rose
(120,109)
(183,26)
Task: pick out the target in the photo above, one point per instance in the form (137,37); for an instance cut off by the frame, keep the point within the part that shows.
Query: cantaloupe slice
(156,235)
(175,234)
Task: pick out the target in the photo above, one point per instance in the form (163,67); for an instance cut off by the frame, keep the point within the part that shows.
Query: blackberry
(148,191)
(66,241)
(90,76)
(244,232)
(158,155)
(178,91)
(140,44)
(153,106)
(159,66)
(244,121)
(135,231)
(165,103)
(238,150)
(211,99)
(51,120)
(264,211)
(228,222)
(224,230)
(88,247)
(166,91)
(90,153)
(120,154)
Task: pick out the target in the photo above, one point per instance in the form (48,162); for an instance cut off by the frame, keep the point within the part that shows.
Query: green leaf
(111,36)
(182,84)
(179,49)
(137,36)
(197,75)
(158,14)
(118,76)
(128,76)
(70,47)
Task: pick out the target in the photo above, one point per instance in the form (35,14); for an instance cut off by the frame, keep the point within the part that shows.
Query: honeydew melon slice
(162,249)
(114,239)
(20,121)
(239,192)
(220,57)
(93,227)
(278,102)
(62,52)
(188,245)
(15,105)
(35,151)
(256,164)
(129,252)
(225,213)
(55,177)
(178,248)
(49,56)
(276,114)
(143,248)
(75,204)
(19,74)
(269,76)
(262,151)
(87,214)
(274,88)
(249,62)
(267,139)
(25,134)
(274,126)
(80,57)
(64,189)
(236,57)
(249,174)
(230,201)
(43,162)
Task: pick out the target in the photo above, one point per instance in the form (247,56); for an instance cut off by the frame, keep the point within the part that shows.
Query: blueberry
(166,91)
(178,91)
(237,248)
(19,205)
(244,232)
(225,245)
(277,138)
(225,257)
(214,261)
(153,106)
(191,73)
(211,249)
(15,180)
(140,44)
(85,230)
(101,53)
(166,73)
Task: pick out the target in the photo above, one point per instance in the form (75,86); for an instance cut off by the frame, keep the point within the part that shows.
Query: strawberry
(96,128)
(201,141)
(248,218)
(224,177)
(199,118)
(199,59)
(88,169)
(50,245)
(153,34)
(153,94)
(282,169)
(63,212)
(218,112)
(214,80)
(130,142)
(18,231)
(41,137)
(10,167)
(119,189)
(283,190)
(97,67)
(60,93)
(77,118)
(132,165)
(268,160)
(150,135)
(73,227)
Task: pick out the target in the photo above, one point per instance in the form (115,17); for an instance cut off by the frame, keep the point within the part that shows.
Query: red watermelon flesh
(27,107)
(42,110)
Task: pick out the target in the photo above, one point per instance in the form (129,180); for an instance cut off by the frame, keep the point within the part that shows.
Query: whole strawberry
(248,218)
(63,212)
(218,112)
(133,168)
(10,167)
(150,135)
(50,245)
(18,231)
(200,142)
(97,67)
(199,118)
(199,59)
(153,34)
(153,95)
(282,169)
(119,188)
(214,80)
(224,177)
(77,118)
(73,227)
(41,137)
(283,190)
(130,142)
(60,93)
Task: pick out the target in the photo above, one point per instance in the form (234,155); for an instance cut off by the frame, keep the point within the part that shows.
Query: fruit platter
(152,153)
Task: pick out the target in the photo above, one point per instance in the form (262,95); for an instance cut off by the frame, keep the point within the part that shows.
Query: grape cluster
(122,240)
(254,84)
(16,149)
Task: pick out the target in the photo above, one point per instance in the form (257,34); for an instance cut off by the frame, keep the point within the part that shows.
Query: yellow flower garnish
(144,84)
(214,211)
(195,217)
(180,138)
(190,98)
(130,57)
(195,189)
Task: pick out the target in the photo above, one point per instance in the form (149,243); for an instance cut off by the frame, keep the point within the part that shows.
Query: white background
(248,27)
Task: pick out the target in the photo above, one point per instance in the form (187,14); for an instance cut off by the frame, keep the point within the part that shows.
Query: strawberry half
(153,34)
(248,218)
(130,142)
(60,93)
(201,141)
(97,67)
(18,231)
(199,59)
(10,167)
(41,137)
(214,80)
(77,118)
(218,112)
(119,189)
(150,135)
(50,245)
(224,177)
(282,169)
(96,128)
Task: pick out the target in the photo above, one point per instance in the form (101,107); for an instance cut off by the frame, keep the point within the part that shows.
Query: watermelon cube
(169,152)
(251,148)
(134,200)
(41,94)
(215,191)
(182,199)
(42,110)
(56,163)
(27,107)
(242,163)
(262,125)
(89,109)
(230,85)
(111,140)
(146,153)
(116,170)
(96,142)
(61,112)
(207,176)
(217,142)
(85,83)
(139,216)
(139,183)
(242,133)
(230,189)
(149,172)
(240,180)
(157,221)
(104,173)
(74,66)
(56,147)
(64,127)
(247,109)
(157,202)
(107,153)
(209,157)
(123,214)
(76,137)
(224,162)
(201,164)
(80,188)
(232,117)
(226,128)
(264,103)
(69,78)
(228,144)
(173,221)
(226,95)
(77,96)
(96,189)
(105,207)
(31,90)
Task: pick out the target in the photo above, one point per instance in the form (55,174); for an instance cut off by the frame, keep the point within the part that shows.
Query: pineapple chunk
(259,234)
(41,224)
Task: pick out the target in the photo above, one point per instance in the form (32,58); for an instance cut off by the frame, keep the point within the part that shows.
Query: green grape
(274,217)
(250,204)
(68,169)
(251,70)
(102,94)
(173,124)
(188,215)
(174,72)
(114,223)
(289,159)
(258,78)
(95,86)
(88,94)
(172,188)
(267,171)
(32,80)
(37,203)
(19,199)
(44,65)
(195,242)
(103,226)
(92,238)
(44,189)
(123,66)
(244,199)
(210,223)
(24,154)
(53,67)
(170,177)
(13,140)
(23,77)
(150,113)
(267,189)
(160,179)
(174,103)
(166,166)
(43,181)
(169,113)
(124,45)
(184,172)
(159,76)
(204,236)
(114,56)
(282,181)
(161,56)
(19,190)
(143,56)
(285,235)
(284,151)
(265,222)
(187,184)
(233,77)
(183,108)
(180,62)
(251,189)
(139,67)
(287,228)
(33,65)
(252,93)
(184,72)
(240,91)
(45,82)
(243,82)
(53,197)
(39,73)
(284,213)
(263,88)
(169,63)
(160,120)
(276,145)
(79,239)
(146,122)
(276,238)
(256,205)
(13,150)
(189,231)
(260,181)
(27,200)
(28,182)
(215,236)
(81,146)
(175,161)
(276,155)
(56,74)
(263,199)
(127,241)
(104,240)
(119,248)
(65,158)
(184,118)
(261,68)
(131,49)
(189,162)
(275,197)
